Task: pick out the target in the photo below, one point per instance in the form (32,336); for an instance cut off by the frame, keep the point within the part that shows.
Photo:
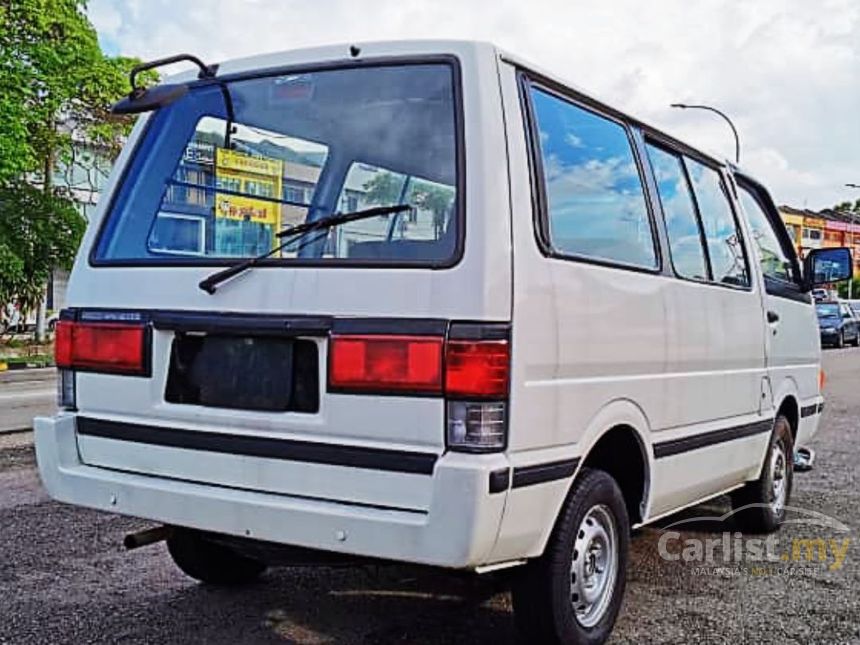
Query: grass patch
(36,360)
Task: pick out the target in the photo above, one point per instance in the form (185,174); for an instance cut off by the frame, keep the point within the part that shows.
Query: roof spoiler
(144,99)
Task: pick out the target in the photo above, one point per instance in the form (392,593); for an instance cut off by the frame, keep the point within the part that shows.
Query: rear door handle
(772,317)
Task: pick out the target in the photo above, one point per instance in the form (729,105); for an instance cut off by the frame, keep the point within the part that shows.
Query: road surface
(64,576)
(25,394)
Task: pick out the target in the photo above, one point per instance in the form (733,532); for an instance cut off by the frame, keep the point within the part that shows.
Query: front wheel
(760,505)
(211,562)
(573,592)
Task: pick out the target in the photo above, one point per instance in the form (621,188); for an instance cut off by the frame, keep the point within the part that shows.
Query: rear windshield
(218,173)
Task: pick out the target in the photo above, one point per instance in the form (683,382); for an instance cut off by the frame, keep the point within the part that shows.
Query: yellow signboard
(242,173)
(792,219)
(242,163)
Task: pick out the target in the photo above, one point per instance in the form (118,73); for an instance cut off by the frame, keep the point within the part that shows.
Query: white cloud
(788,71)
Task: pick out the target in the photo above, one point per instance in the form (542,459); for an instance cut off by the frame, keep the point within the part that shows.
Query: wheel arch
(621,428)
(790,408)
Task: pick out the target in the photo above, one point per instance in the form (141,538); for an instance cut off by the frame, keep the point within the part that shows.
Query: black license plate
(244,372)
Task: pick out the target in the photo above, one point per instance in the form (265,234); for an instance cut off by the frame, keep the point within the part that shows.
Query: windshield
(207,186)
(827,311)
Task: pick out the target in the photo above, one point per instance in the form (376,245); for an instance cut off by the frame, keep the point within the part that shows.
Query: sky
(786,71)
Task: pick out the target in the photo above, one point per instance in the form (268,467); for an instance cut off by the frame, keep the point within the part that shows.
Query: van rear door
(238,389)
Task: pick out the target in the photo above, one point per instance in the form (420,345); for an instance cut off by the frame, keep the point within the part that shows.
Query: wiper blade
(210,283)
(342,218)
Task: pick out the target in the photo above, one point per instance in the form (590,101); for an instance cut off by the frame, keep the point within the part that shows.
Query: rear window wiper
(210,284)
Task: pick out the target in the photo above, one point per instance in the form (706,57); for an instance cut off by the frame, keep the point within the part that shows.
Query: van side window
(775,262)
(679,211)
(722,235)
(595,201)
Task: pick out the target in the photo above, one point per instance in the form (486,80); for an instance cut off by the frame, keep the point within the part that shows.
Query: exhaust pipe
(146,537)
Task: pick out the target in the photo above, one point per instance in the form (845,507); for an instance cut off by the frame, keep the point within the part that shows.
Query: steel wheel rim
(594,564)
(779,477)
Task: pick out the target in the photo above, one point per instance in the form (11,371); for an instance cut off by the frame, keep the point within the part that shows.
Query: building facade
(822,229)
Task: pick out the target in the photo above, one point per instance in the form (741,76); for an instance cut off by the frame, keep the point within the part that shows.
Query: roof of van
(389,48)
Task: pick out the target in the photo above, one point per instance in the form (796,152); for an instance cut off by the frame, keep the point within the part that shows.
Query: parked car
(352,302)
(838,324)
(822,295)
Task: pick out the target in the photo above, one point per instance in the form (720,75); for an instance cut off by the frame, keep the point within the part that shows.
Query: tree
(435,198)
(383,188)
(39,232)
(56,88)
(848,207)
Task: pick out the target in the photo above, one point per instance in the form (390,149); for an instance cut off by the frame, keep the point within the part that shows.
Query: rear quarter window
(595,206)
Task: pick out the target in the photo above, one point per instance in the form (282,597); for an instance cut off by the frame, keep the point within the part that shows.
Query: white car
(369,301)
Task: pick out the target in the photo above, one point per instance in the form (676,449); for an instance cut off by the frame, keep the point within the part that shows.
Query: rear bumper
(458,530)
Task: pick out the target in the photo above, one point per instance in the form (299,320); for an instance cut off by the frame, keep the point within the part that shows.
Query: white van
(422,302)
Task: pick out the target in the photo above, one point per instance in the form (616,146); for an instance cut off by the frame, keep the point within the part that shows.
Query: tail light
(101,347)
(477,374)
(406,364)
(477,368)
(472,374)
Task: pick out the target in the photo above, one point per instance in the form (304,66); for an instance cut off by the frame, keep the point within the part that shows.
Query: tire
(211,562)
(760,505)
(840,342)
(856,342)
(546,590)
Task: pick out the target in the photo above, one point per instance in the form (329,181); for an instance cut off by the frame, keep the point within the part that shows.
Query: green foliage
(384,188)
(38,232)
(433,198)
(848,206)
(843,290)
(56,85)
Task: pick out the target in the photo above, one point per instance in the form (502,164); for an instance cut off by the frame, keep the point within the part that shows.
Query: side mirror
(824,266)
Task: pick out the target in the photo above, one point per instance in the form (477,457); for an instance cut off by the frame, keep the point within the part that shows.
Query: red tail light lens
(386,363)
(477,368)
(101,347)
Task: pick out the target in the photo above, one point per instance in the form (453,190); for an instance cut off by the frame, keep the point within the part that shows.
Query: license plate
(241,372)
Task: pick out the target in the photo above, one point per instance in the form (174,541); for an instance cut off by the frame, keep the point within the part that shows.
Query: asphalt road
(25,394)
(64,576)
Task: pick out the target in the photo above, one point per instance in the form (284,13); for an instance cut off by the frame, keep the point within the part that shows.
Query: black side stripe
(499,480)
(542,473)
(809,410)
(419,463)
(685,444)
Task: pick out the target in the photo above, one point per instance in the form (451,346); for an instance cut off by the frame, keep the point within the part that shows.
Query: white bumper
(459,530)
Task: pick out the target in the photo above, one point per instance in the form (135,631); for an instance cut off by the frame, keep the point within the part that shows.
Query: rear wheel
(760,505)
(573,592)
(211,562)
